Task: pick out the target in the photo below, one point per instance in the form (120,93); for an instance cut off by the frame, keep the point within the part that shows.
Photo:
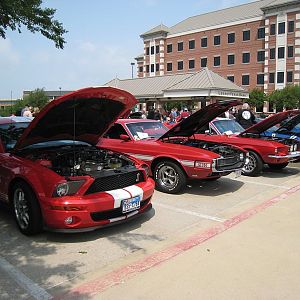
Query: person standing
(245,116)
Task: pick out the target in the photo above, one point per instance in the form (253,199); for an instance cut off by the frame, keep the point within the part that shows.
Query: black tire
(169,177)
(278,166)
(26,209)
(255,165)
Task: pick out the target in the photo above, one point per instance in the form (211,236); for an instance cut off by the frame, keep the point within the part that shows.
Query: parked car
(53,176)
(175,155)
(276,152)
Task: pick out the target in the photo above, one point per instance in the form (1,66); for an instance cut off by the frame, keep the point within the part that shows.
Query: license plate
(131,204)
(238,173)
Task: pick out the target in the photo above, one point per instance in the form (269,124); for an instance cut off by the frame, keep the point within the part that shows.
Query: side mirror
(124,137)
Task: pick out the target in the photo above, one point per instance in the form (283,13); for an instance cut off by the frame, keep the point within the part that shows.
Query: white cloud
(9,57)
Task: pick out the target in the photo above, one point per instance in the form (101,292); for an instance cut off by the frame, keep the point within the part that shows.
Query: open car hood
(189,126)
(270,121)
(84,115)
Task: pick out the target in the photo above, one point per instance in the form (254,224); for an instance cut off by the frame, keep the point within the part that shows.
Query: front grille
(113,213)
(229,163)
(117,181)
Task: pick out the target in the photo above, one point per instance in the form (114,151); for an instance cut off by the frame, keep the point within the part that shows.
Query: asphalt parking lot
(54,264)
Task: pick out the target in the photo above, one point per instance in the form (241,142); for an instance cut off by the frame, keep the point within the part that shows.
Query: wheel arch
(166,158)
(255,151)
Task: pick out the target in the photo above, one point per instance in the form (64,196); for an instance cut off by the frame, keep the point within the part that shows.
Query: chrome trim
(290,155)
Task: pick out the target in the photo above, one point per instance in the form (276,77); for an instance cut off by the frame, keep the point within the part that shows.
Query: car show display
(54,177)
(175,155)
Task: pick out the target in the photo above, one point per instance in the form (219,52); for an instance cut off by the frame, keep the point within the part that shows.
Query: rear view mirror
(124,137)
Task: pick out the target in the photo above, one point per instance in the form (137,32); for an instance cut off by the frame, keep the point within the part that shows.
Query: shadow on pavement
(286,172)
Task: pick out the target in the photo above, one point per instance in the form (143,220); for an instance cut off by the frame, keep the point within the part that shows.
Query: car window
(10,133)
(115,132)
(144,130)
(228,125)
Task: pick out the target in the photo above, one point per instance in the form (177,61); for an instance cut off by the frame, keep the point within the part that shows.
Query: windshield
(144,130)
(228,125)
(10,133)
(291,126)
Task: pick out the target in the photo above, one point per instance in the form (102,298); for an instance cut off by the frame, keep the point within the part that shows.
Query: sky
(102,41)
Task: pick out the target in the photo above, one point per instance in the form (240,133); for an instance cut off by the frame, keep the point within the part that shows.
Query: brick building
(255,45)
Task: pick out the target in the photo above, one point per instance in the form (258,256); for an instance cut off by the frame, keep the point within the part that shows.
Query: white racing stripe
(134,190)
(188,212)
(118,195)
(23,281)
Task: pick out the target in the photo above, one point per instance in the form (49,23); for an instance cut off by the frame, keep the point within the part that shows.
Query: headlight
(242,156)
(62,189)
(147,170)
(293,148)
(67,188)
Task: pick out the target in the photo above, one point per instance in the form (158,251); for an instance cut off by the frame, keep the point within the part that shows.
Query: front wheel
(254,165)
(278,166)
(169,177)
(26,209)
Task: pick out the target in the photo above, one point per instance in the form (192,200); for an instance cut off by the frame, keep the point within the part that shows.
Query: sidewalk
(259,258)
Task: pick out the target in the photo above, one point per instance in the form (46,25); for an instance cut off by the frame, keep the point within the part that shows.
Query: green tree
(257,98)
(289,97)
(29,13)
(37,98)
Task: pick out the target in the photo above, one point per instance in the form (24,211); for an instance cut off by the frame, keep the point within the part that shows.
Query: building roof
(277,3)
(157,29)
(159,86)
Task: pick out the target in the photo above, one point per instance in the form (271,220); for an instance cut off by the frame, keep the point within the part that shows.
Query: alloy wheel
(21,208)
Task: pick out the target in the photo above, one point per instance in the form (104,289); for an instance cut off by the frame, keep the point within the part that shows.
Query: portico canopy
(188,86)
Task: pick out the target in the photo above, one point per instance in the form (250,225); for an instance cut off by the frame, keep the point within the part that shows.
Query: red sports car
(53,176)
(274,151)
(174,155)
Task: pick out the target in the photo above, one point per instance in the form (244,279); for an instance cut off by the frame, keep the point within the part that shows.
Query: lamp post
(60,91)
(132,65)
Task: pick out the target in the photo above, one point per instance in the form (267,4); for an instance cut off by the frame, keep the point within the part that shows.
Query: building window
(156,67)
(140,69)
(290,50)
(261,56)
(147,68)
(246,57)
(291,26)
(217,61)
(260,79)
(169,67)
(203,62)
(280,77)
(272,53)
(147,51)
(289,76)
(281,28)
(261,33)
(180,65)
(191,64)
(246,35)
(245,79)
(157,49)
(217,40)
(169,48)
(272,78)
(230,59)
(231,78)
(152,68)
(231,37)
(152,50)
(272,29)
(280,52)
(192,44)
(180,46)
(204,42)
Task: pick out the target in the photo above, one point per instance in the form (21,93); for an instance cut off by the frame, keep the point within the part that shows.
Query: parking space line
(263,184)
(118,276)
(188,212)
(23,281)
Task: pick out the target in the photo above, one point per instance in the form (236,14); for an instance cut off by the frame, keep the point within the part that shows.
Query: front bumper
(290,156)
(96,210)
